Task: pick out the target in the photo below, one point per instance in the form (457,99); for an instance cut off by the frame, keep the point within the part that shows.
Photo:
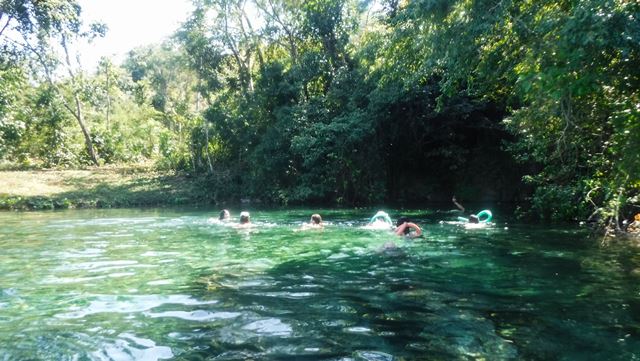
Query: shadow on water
(477,296)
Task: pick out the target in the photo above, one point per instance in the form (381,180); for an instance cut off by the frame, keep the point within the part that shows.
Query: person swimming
(224,216)
(245,220)
(473,218)
(314,223)
(380,220)
(407,228)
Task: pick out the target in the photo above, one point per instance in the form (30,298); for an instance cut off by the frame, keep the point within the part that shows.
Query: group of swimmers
(403,227)
(380,221)
(245,220)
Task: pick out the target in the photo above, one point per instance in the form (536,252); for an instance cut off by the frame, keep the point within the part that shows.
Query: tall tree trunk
(251,37)
(77,113)
(205,125)
(275,16)
(108,96)
(244,69)
(85,131)
(206,146)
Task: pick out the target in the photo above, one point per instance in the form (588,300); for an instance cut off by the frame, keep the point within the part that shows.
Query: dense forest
(346,102)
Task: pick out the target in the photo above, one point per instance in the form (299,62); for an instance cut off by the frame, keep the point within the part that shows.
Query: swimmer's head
(381,214)
(474,219)
(224,214)
(316,219)
(402,220)
(244,217)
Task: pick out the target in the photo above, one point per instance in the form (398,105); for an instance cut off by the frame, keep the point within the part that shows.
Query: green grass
(104,187)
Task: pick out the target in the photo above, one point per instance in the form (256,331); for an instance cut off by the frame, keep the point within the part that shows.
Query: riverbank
(105,187)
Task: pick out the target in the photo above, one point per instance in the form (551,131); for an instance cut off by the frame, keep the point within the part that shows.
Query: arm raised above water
(401,229)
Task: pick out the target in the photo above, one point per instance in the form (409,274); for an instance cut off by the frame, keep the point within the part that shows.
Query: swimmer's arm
(418,231)
(403,226)
(460,207)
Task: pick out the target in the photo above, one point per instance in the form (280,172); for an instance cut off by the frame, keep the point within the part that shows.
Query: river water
(170,284)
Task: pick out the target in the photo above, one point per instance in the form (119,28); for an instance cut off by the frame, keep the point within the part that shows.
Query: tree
(43,31)
(565,71)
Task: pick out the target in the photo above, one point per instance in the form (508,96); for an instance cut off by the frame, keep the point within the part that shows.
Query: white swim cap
(381,214)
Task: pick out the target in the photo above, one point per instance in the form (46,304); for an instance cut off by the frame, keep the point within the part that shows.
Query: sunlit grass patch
(98,187)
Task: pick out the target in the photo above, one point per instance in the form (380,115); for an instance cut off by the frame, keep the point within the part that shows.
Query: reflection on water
(164,284)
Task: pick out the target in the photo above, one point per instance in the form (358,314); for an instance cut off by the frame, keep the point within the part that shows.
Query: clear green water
(167,284)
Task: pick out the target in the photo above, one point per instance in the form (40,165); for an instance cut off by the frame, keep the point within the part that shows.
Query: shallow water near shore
(155,284)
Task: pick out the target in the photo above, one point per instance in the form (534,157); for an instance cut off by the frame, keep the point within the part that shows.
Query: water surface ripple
(172,284)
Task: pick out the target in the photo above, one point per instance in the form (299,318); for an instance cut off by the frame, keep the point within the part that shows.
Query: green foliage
(12,81)
(580,122)
(318,119)
(336,101)
(564,72)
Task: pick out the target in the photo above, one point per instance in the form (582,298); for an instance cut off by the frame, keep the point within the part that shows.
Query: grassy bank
(99,188)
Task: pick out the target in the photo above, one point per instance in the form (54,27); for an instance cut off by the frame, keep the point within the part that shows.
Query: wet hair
(244,217)
(401,221)
(222,214)
(316,219)
(474,219)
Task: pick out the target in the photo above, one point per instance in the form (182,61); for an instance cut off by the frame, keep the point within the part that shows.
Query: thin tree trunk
(87,136)
(193,158)
(77,112)
(252,39)
(206,146)
(6,24)
(108,97)
(244,70)
(78,108)
(293,50)
(204,122)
